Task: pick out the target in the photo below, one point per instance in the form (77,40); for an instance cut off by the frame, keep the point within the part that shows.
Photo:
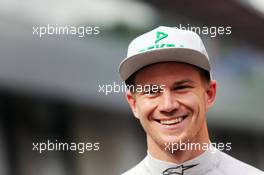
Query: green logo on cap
(160,36)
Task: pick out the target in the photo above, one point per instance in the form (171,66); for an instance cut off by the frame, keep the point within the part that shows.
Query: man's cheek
(193,104)
(189,100)
(146,107)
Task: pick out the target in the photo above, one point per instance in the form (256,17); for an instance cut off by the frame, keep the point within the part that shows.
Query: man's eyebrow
(184,81)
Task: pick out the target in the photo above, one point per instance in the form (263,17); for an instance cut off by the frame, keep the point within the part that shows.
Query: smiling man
(175,67)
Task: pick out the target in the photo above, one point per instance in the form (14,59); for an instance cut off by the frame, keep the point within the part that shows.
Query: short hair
(204,74)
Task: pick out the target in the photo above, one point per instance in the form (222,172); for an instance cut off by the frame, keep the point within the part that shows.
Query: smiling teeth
(171,121)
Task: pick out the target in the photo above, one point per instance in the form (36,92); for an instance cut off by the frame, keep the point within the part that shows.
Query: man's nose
(168,104)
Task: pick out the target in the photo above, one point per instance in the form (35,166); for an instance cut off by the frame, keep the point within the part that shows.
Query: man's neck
(177,156)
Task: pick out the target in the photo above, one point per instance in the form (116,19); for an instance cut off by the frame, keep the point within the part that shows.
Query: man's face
(178,111)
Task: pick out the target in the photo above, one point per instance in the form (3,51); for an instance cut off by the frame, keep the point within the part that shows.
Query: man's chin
(174,140)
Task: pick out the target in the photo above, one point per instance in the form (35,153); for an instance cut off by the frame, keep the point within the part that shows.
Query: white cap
(164,44)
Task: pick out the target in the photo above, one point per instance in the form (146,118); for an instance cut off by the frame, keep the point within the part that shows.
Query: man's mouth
(172,121)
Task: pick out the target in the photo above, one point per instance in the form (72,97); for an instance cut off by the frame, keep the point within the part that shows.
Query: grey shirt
(208,163)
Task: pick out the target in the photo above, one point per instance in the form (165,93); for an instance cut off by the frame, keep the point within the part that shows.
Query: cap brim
(132,64)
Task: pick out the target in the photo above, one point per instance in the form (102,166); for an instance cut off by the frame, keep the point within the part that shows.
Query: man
(174,66)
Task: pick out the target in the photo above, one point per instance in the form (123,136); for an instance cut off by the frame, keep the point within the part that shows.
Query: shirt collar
(195,166)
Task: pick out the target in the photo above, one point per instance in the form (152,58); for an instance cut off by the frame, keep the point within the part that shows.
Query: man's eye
(181,87)
(150,92)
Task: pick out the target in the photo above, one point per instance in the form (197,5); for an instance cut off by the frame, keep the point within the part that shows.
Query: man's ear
(131,99)
(211,94)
